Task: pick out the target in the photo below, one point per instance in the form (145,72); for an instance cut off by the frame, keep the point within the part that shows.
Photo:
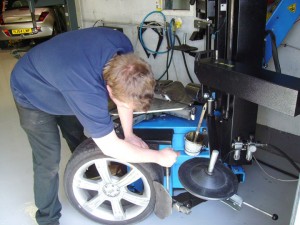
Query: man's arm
(126,117)
(132,149)
(117,148)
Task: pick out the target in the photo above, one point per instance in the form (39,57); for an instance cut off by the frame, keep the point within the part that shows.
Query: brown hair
(131,80)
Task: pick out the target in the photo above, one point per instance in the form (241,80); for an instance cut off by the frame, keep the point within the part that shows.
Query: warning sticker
(292,7)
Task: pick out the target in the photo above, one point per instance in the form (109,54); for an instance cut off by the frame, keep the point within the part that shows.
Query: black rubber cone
(221,184)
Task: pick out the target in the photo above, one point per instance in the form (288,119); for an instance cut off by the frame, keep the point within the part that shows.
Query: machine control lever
(236,202)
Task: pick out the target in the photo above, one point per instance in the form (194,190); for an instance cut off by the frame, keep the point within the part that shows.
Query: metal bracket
(235,202)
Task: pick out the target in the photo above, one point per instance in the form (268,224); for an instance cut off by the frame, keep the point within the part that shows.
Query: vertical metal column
(230,19)
(240,40)
(220,28)
(71,15)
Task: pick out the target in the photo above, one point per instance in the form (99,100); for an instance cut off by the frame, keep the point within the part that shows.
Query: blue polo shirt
(64,76)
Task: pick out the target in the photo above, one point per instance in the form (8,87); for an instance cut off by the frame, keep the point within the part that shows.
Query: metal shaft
(230,30)
(168,179)
(273,216)
(200,122)
(210,107)
(32,10)
(213,160)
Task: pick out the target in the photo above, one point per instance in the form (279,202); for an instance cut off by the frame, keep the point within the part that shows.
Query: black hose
(184,60)
(168,54)
(286,156)
(274,50)
(168,64)
(170,46)
(276,168)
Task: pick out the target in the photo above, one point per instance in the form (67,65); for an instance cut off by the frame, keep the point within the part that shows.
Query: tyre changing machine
(167,130)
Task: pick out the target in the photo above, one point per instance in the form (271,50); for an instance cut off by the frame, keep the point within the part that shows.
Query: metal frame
(238,77)
(70,10)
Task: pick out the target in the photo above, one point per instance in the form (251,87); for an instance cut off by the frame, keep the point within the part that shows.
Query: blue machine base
(181,127)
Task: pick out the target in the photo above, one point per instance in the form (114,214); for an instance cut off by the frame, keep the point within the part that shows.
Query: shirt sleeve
(91,109)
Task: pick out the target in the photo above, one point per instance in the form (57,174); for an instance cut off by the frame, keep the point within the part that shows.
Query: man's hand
(167,157)
(135,140)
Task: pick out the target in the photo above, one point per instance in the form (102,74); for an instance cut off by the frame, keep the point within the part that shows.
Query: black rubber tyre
(108,190)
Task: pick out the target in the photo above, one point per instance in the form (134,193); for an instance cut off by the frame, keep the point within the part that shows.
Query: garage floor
(17,207)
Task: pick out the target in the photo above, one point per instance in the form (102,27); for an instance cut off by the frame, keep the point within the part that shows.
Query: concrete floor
(17,206)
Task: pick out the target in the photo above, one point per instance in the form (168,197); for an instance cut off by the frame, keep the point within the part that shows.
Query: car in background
(16,21)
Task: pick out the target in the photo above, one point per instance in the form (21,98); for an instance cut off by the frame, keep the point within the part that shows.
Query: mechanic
(65,83)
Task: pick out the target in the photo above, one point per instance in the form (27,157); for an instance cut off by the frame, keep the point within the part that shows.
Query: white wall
(128,14)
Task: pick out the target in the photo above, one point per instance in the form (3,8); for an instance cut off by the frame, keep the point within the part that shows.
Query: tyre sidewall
(88,151)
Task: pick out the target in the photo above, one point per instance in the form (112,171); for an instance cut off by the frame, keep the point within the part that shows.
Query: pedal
(234,202)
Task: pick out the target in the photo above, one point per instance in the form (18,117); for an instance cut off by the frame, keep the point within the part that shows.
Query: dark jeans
(44,138)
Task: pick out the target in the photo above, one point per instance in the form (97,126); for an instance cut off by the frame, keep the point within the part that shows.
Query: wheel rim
(110,197)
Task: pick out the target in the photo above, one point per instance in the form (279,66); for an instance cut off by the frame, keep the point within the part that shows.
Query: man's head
(130,80)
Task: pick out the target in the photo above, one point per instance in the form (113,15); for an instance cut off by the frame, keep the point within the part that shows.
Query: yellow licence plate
(22,31)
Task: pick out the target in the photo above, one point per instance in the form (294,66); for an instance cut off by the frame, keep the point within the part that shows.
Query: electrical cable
(184,60)
(271,175)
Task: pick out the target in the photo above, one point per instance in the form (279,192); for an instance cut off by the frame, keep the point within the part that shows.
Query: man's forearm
(114,147)
(126,118)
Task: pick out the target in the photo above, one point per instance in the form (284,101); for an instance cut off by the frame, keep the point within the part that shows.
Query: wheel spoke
(117,209)
(129,178)
(136,199)
(86,184)
(94,203)
(103,170)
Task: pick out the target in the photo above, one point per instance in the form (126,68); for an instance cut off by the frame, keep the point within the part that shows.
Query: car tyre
(110,196)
